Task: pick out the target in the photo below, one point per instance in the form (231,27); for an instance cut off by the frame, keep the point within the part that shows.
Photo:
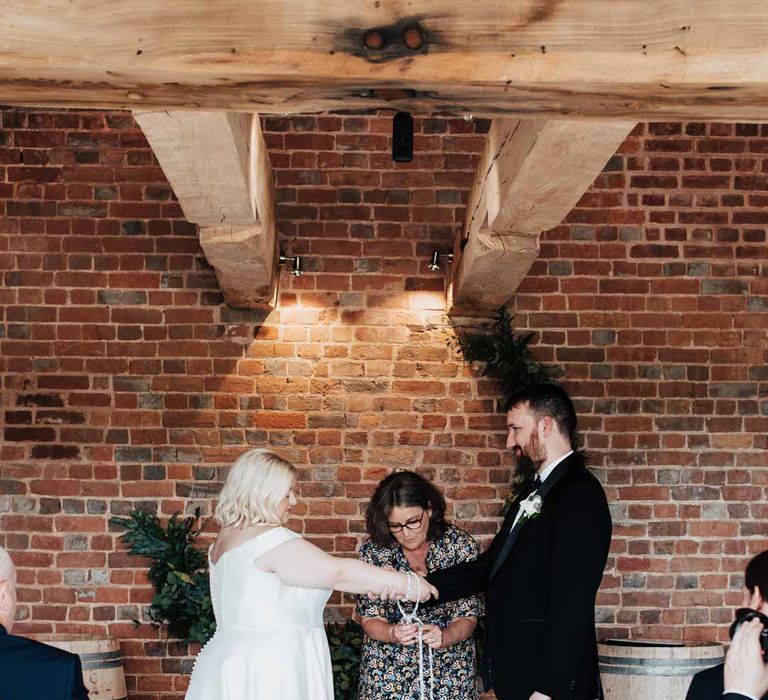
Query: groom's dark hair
(551,400)
(405,489)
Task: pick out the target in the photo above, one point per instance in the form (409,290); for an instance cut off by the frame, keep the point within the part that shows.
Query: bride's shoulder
(278,544)
(280,531)
(276,536)
(259,538)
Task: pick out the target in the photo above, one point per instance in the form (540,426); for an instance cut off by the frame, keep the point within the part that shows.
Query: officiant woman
(408,532)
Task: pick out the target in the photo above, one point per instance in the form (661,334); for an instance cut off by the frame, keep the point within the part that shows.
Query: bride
(269,587)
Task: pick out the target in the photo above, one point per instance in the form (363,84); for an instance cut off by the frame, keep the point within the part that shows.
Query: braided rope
(413,618)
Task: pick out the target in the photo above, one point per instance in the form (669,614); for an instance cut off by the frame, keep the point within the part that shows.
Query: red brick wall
(126,382)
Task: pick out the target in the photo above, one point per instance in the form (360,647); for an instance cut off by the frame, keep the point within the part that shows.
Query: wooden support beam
(543,168)
(206,157)
(530,175)
(218,166)
(633,59)
(245,262)
(490,269)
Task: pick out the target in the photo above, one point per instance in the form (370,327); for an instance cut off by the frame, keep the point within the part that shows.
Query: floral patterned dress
(391,671)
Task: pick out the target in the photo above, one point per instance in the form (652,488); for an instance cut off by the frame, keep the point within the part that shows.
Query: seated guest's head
(7,590)
(756,583)
(405,509)
(257,491)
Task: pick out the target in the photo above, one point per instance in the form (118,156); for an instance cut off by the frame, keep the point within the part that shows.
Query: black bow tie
(536,482)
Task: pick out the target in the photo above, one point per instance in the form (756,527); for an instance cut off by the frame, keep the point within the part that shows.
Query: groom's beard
(531,456)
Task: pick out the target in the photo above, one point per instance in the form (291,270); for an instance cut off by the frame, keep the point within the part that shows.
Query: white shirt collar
(550,467)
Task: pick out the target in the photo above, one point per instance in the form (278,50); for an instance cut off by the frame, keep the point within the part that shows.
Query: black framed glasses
(410,525)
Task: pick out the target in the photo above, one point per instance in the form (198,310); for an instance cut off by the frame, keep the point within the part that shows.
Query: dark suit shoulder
(578,471)
(578,504)
(12,645)
(577,482)
(707,683)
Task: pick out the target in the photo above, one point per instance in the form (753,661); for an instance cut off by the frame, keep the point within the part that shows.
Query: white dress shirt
(543,477)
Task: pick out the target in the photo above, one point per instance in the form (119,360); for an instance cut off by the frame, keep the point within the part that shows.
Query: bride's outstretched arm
(300,563)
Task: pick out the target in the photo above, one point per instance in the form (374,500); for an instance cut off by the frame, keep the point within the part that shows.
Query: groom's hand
(427,590)
(536,695)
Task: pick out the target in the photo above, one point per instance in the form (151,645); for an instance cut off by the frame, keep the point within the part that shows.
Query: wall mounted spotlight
(295,261)
(434,264)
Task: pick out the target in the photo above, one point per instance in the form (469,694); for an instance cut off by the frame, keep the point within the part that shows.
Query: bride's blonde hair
(257,482)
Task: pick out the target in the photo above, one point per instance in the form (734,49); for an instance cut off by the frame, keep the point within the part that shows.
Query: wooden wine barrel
(102,662)
(643,669)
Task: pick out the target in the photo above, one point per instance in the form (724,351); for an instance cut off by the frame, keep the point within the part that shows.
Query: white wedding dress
(270,643)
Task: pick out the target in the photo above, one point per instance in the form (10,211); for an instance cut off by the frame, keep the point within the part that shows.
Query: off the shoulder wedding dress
(269,643)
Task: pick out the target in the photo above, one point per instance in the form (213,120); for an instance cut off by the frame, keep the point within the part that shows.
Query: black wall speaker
(402,137)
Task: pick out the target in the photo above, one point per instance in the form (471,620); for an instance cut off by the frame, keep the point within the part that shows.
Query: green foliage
(346,642)
(506,353)
(179,572)
(506,356)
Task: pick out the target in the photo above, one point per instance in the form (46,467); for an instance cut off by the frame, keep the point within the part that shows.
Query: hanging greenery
(498,351)
(504,354)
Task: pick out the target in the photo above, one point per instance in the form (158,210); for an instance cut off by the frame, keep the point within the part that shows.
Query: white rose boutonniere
(531,507)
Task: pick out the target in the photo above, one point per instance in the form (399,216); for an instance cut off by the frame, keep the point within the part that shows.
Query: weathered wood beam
(530,175)
(207,158)
(490,269)
(245,262)
(636,59)
(218,166)
(543,168)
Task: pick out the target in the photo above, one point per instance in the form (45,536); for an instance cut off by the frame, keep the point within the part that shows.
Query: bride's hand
(387,593)
(425,590)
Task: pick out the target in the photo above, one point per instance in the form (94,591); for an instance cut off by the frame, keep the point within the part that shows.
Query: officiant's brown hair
(405,489)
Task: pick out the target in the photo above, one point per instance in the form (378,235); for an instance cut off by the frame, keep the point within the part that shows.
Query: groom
(542,571)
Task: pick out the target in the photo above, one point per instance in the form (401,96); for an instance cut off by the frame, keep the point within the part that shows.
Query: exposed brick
(29,434)
(128,383)
(39,400)
(55,452)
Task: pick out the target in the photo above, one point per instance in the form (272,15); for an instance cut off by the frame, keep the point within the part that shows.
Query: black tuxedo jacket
(33,671)
(708,685)
(540,593)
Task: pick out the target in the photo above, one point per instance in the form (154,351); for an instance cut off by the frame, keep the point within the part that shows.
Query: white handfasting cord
(412,618)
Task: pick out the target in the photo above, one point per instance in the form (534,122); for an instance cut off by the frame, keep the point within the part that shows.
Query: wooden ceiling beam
(218,166)
(634,59)
(530,175)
